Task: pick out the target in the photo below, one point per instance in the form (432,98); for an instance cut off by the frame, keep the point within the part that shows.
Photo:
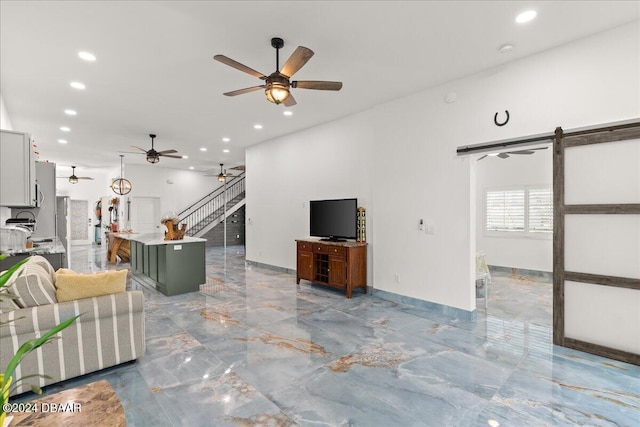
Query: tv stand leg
(297,280)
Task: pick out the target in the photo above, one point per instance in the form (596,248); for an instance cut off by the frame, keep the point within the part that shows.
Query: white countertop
(157,239)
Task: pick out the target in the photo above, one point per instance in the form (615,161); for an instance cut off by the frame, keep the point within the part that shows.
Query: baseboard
(546,276)
(452,312)
(271,267)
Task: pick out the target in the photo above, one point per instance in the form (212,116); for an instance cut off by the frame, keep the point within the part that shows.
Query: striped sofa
(109,331)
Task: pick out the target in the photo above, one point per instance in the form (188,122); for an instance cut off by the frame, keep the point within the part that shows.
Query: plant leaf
(5,276)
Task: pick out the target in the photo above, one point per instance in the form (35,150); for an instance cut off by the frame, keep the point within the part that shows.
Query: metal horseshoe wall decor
(495,119)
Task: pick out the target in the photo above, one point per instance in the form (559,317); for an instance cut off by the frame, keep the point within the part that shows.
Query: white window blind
(520,211)
(540,210)
(505,210)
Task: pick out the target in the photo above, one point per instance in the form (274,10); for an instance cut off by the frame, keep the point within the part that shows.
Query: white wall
(531,253)
(414,171)
(326,162)
(149,180)
(5,123)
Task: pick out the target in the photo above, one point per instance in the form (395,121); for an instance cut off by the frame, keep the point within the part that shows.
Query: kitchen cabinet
(18,171)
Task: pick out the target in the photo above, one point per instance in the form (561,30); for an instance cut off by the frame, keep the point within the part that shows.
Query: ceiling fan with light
(153,156)
(223,175)
(506,154)
(73,179)
(278,84)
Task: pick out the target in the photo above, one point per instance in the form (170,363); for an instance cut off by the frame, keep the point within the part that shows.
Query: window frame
(526,233)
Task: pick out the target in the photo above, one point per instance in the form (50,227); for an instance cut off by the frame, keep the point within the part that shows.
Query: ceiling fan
(504,155)
(278,84)
(153,156)
(223,175)
(73,179)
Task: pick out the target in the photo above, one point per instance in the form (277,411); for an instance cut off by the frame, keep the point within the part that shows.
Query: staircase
(210,211)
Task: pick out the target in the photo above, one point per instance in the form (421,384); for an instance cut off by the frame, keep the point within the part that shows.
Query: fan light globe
(121,186)
(153,158)
(73,179)
(277,93)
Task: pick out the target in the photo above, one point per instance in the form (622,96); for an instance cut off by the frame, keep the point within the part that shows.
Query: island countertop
(153,239)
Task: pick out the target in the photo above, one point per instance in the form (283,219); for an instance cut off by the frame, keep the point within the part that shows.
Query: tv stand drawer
(320,248)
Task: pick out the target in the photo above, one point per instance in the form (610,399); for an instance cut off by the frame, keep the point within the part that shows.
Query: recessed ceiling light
(526,16)
(62,141)
(77,85)
(87,56)
(70,112)
(65,129)
(257,126)
(288,113)
(225,151)
(493,423)
(191,168)
(185,157)
(493,154)
(225,139)
(203,149)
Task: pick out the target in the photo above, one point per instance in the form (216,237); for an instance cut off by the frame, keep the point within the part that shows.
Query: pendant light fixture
(121,186)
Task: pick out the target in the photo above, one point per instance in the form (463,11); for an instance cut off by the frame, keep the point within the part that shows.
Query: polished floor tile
(252,348)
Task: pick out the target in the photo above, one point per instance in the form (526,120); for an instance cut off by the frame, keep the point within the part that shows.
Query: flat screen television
(333,219)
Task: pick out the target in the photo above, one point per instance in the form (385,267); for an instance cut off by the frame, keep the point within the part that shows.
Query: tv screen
(333,219)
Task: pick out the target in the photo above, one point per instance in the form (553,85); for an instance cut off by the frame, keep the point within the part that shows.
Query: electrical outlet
(421,225)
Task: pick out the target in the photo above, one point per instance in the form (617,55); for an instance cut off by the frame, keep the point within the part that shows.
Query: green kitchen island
(171,266)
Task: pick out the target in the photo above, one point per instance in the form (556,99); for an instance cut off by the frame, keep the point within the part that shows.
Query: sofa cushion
(32,285)
(6,303)
(72,286)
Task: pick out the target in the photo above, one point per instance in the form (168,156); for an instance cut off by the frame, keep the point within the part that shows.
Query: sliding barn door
(597,241)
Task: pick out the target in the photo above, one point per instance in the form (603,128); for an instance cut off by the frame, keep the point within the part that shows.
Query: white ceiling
(155,71)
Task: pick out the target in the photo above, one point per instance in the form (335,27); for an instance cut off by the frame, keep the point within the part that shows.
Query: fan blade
(290,101)
(141,149)
(238,168)
(245,90)
(298,58)
(238,66)
(167,152)
(317,84)
(84,177)
(503,155)
(169,155)
(520,152)
(483,157)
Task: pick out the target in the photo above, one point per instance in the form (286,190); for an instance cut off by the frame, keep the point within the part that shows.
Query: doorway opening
(514,234)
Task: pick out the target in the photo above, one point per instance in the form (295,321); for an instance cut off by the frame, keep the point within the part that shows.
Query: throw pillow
(32,286)
(72,286)
(42,262)
(6,304)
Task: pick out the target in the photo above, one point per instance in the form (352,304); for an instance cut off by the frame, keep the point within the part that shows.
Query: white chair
(483,276)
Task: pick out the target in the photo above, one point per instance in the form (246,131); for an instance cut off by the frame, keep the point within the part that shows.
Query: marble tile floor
(252,348)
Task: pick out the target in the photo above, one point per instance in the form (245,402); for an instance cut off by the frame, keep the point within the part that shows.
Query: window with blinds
(505,210)
(519,211)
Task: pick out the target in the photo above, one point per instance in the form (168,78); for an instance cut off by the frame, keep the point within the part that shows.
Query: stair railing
(212,206)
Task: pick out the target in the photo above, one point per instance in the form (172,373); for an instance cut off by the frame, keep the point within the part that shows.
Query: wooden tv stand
(341,265)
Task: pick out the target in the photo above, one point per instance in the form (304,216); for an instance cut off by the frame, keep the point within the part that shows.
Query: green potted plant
(24,350)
